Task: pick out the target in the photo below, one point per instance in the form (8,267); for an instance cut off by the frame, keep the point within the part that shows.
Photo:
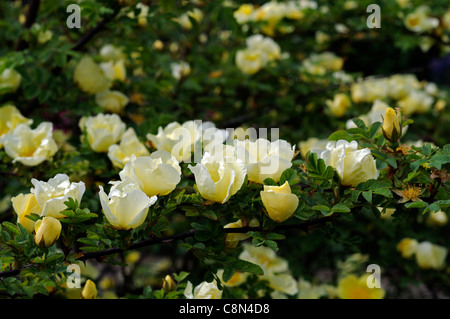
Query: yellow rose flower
(250,62)
(264,159)
(358,92)
(232,239)
(114,70)
(89,290)
(25,205)
(52,194)
(142,16)
(111,101)
(180,69)
(438,218)
(416,102)
(120,154)
(90,77)
(260,50)
(353,165)
(420,21)
(10,117)
(103,130)
(126,206)
(431,256)
(244,13)
(275,268)
(205,290)
(180,140)
(184,19)
(352,287)
(48,230)
(30,146)
(407,247)
(237,279)
(109,52)
(10,80)
(156,174)
(311,144)
(264,257)
(218,178)
(339,105)
(279,202)
(266,45)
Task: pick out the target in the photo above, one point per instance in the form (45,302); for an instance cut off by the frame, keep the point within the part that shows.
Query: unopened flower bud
(89,290)
(169,284)
(47,231)
(391,127)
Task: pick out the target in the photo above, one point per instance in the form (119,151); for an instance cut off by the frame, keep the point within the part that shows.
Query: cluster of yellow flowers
(283,285)
(98,78)
(46,199)
(428,255)
(271,13)
(405,90)
(219,172)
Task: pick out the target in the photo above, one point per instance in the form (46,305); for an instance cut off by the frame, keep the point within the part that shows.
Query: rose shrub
(224,149)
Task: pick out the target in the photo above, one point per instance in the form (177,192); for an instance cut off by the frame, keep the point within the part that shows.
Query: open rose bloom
(30,146)
(52,194)
(352,164)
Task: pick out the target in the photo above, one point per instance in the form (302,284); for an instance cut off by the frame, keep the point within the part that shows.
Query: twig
(191,233)
(91,33)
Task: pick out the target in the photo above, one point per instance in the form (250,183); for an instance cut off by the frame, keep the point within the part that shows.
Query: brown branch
(148,242)
(91,33)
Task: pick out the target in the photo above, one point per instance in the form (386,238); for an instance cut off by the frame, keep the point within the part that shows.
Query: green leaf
(444,203)
(386,192)
(367,195)
(391,161)
(426,149)
(55,257)
(181,276)
(373,131)
(358,131)
(289,175)
(340,135)
(340,208)
(418,204)
(410,177)
(228,272)
(272,244)
(270,182)
(198,226)
(321,207)
(209,214)
(434,207)
(11,227)
(439,160)
(202,235)
(416,164)
(246,266)
(359,123)
(275,236)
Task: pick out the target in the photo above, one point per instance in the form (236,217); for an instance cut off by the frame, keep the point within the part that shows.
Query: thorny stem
(153,241)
